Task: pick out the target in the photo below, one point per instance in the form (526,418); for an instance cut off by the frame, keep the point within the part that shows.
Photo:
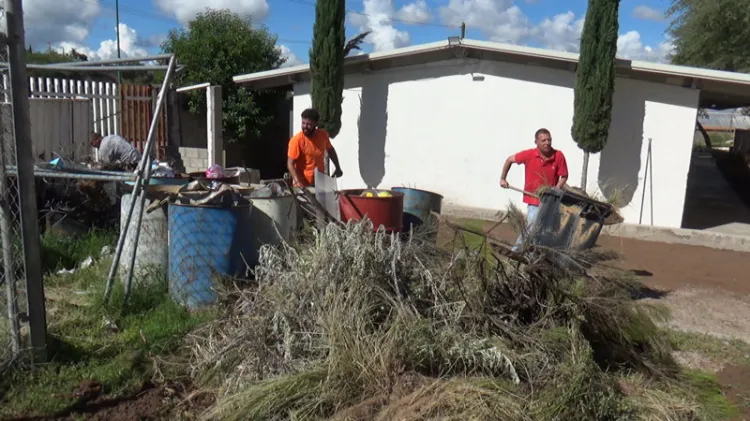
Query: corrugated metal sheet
(725,120)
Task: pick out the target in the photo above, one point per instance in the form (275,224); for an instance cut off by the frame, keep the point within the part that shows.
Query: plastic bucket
(418,206)
(204,242)
(272,216)
(387,212)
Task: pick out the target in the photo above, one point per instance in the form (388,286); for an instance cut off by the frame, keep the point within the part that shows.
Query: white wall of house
(442,127)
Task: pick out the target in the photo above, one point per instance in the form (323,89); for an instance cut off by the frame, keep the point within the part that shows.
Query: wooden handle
(523,191)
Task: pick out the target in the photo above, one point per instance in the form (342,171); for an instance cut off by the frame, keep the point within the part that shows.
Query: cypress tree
(595,79)
(327,63)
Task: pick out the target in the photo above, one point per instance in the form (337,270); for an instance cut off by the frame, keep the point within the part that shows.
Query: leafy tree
(51,56)
(216,46)
(711,33)
(595,79)
(327,62)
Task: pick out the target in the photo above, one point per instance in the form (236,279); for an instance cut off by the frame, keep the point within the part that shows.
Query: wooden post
(214,127)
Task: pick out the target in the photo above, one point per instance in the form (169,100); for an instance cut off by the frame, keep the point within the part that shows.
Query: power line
(165,18)
(386,18)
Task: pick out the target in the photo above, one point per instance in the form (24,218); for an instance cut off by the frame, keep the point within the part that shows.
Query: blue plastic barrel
(417,206)
(205,243)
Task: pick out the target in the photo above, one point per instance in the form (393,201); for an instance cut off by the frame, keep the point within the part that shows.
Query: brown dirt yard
(707,291)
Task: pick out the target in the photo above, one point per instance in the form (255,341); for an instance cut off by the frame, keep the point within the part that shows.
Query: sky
(89,25)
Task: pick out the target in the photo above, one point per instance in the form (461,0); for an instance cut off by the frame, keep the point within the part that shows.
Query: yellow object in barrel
(374,193)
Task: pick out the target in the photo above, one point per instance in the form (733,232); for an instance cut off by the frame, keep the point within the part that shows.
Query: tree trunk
(585,171)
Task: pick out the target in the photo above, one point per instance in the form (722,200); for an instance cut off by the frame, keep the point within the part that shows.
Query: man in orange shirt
(307,151)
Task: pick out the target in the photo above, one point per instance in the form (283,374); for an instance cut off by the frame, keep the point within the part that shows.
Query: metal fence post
(27,190)
(9,267)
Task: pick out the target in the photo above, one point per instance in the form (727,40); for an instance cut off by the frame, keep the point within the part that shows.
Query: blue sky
(544,23)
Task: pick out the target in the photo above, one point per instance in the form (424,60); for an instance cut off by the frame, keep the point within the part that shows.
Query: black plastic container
(569,221)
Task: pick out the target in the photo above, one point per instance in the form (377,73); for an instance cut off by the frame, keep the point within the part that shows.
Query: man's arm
(335,159)
(293,171)
(293,153)
(506,167)
(562,172)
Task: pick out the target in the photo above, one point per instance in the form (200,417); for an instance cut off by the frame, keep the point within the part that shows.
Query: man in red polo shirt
(545,166)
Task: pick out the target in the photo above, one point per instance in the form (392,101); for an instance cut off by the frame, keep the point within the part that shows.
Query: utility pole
(118,101)
(19,91)
(117,29)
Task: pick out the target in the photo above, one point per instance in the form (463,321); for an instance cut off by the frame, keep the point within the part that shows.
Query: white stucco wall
(437,127)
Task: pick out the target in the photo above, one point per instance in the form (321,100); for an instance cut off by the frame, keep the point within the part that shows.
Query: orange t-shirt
(308,153)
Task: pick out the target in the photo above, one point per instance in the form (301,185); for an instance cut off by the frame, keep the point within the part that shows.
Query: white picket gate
(105,101)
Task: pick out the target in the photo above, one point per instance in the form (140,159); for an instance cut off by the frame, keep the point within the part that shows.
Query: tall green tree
(327,62)
(711,33)
(595,79)
(214,47)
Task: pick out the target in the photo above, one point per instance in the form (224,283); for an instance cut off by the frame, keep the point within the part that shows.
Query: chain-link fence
(12,298)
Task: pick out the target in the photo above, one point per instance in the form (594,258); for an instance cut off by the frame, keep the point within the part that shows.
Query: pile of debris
(355,325)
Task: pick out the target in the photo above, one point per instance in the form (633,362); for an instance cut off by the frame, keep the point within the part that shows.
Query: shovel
(536,196)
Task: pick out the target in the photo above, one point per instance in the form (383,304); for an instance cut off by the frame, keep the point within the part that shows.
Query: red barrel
(385,211)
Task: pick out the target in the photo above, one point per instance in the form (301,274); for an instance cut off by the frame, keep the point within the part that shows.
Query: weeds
(114,345)
(65,252)
(359,326)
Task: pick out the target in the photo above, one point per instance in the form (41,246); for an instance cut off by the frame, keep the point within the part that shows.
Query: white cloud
(185,10)
(561,32)
(48,22)
(503,21)
(630,46)
(648,13)
(498,20)
(291,58)
(376,16)
(130,46)
(417,12)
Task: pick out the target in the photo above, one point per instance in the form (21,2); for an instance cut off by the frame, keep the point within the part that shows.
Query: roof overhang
(719,89)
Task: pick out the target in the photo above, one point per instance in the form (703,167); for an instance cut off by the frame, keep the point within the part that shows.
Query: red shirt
(541,171)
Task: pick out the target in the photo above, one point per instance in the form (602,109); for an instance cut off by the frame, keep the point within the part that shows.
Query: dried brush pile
(361,326)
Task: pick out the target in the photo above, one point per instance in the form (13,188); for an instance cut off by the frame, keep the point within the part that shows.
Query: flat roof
(719,89)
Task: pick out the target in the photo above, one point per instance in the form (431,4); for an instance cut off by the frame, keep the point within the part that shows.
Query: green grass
(707,391)
(718,139)
(82,343)
(731,351)
(60,252)
(473,240)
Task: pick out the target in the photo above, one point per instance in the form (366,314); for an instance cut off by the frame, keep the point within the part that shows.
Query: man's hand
(338,173)
(504,183)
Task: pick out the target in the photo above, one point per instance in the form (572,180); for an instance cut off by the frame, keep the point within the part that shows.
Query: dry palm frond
(332,326)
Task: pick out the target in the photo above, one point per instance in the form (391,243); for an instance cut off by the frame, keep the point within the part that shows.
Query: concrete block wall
(194,159)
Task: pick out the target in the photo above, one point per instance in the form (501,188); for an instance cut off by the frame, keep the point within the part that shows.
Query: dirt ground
(152,403)
(734,380)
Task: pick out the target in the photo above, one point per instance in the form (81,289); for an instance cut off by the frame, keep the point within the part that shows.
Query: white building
(444,116)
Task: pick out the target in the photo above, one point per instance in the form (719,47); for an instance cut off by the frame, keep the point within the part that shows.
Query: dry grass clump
(361,326)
